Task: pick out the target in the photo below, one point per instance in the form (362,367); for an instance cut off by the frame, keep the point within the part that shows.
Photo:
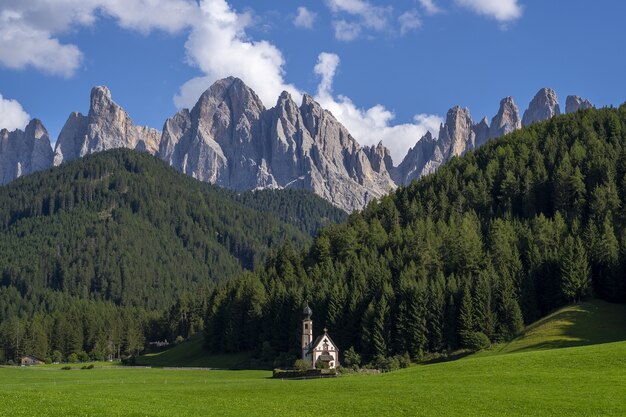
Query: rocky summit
(543,106)
(575,103)
(24,152)
(107,126)
(231,140)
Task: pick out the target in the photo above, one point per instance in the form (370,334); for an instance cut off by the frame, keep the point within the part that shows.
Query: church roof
(319,339)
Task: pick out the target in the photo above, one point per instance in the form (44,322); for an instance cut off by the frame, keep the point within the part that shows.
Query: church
(322,349)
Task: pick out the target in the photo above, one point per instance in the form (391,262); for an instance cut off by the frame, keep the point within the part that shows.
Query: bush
(73,358)
(179,339)
(475,340)
(351,358)
(83,357)
(57,356)
(90,366)
(301,365)
(66,368)
(48,360)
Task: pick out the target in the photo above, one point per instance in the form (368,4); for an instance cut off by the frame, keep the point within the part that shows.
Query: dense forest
(461,258)
(119,235)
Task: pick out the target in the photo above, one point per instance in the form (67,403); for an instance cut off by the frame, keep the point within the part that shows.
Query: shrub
(301,365)
(83,357)
(73,358)
(66,368)
(179,339)
(90,366)
(475,340)
(48,360)
(57,356)
(351,358)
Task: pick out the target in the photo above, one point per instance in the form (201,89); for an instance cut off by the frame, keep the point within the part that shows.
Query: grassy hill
(192,353)
(588,323)
(578,381)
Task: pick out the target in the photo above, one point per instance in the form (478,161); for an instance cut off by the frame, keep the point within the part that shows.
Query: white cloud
(409,21)
(219,47)
(305,18)
(430,7)
(368,16)
(500,10)
(346,31)
(12,115)
(370,126)
(30,29)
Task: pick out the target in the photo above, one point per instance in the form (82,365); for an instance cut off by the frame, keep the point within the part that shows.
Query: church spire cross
(325,330)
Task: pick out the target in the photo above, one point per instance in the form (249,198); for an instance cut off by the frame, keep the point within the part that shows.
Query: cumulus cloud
(30,29)
(501,10)
(12,115)
(219,47)
(305,18)
(409,21)
(430,7)
(363,15)
(370,126)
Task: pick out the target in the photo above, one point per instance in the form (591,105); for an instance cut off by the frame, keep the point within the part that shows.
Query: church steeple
(307,331)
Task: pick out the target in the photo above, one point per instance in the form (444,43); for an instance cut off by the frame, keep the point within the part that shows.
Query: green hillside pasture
(579,381)
(588,323)
(191,353)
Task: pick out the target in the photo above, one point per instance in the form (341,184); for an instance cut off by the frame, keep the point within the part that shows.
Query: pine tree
(575,271)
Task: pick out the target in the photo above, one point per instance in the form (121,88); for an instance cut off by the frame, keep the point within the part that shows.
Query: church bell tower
(307,332)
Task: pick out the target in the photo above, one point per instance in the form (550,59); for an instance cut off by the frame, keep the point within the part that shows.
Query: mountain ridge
(230,139)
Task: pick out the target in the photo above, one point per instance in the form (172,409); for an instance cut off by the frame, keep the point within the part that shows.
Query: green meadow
(553,369)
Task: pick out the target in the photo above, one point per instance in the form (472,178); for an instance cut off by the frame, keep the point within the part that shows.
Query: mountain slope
(499,237)
(125,227)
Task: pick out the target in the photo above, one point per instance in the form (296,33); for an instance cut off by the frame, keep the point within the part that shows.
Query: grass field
(535,375)
(192,354)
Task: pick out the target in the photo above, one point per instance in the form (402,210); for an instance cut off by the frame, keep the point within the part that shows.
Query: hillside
(589,323)
(122,229)
(463,258)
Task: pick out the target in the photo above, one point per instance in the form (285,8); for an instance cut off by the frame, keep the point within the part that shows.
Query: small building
(322,349)
(31,360)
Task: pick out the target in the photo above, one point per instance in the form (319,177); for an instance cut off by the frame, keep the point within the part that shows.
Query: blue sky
(387,69)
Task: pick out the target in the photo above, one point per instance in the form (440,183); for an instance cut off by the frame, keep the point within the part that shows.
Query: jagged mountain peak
(575,103)
(543,106)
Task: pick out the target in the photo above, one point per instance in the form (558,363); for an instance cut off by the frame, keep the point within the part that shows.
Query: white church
(323,349)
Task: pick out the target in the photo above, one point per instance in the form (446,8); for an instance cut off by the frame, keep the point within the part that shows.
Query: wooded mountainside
(461,258)
(127,234)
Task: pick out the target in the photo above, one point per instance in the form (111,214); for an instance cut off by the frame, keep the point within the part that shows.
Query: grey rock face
(24,152)
(107,126)
(231,140)
(481,132)
(380,158)
(575,103)
(457,135)
(418,161)
(544,106)
(507,120)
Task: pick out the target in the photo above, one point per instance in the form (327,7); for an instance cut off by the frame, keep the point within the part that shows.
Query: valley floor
(575,381)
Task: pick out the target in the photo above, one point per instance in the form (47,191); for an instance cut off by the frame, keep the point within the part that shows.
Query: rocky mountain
(107,126)
(24,152)
(507,119)
(231,140)
(575,103)
(543,106)
(459,134)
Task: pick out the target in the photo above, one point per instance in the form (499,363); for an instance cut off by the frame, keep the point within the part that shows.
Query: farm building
(31,360)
